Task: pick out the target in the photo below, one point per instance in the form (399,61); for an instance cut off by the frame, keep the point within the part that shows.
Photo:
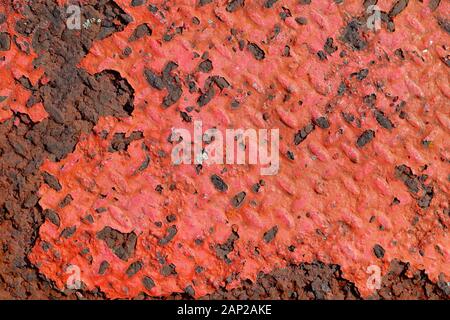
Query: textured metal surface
(17,71)
(368,184)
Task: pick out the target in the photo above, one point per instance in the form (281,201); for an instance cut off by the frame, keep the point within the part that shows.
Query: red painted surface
(334,202)
(15,63)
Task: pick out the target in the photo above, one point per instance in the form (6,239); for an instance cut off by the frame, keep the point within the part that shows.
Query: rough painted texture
(74,101)
(368,125)
(18,74)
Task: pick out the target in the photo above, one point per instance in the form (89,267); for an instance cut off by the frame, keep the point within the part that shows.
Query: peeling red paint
(341,195)
(16,62)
